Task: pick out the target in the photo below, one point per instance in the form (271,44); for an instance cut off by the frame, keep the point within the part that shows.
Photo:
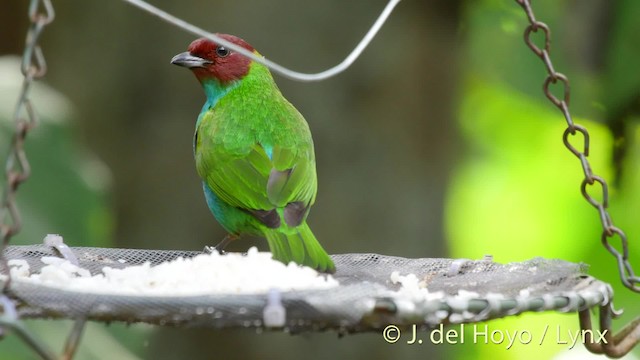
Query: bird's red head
(209,60)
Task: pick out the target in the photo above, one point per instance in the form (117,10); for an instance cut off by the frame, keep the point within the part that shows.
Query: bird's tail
(300,246)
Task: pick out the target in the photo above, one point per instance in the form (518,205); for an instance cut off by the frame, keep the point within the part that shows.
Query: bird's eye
(222,51)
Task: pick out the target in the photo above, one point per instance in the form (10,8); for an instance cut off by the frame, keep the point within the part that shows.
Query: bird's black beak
(187,60)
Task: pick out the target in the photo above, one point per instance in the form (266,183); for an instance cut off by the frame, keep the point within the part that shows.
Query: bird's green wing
(247,177)
(293,176)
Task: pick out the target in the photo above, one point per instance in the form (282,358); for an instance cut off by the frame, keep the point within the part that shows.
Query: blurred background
(438,142)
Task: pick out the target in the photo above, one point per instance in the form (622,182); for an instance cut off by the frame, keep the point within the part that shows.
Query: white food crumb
(412,288)
(19,268)
(53,240)
(212,273)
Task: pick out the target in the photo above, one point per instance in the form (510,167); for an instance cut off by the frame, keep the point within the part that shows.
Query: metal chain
(609,230)
(17,169)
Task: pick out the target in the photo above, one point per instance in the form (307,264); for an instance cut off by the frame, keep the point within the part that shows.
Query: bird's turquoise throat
(214,91)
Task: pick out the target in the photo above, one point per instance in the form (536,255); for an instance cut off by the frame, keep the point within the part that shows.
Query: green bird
(254,154)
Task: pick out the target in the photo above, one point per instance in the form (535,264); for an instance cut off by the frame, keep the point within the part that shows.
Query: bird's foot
(211,249)
(220,247)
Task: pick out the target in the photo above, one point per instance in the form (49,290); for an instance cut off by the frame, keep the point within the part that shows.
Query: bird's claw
(211,249)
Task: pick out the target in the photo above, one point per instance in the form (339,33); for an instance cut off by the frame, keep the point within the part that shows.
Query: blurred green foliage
(67,191)
(519,185)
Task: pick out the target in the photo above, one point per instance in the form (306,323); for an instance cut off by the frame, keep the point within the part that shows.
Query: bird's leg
(221,245)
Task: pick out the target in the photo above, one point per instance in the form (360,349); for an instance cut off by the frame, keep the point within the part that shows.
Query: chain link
(17,169)
(590,181)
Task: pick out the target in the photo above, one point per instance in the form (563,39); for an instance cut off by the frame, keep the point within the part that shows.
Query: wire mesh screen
(373,291)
